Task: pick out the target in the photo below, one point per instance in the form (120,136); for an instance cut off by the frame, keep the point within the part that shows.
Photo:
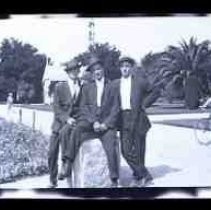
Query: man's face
(73,74)
(126,69)
(98,71)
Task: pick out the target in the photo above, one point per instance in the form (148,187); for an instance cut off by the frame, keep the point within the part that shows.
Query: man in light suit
(65,106)
(97,119)
(135,94)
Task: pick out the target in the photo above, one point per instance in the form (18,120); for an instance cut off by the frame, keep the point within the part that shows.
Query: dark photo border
(105,8)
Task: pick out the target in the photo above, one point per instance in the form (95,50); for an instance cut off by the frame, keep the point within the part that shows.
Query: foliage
(189,57)
(20,65)
(23,152)
(177,61)
(109,56)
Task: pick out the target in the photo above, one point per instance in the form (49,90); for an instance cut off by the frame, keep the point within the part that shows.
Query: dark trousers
(133,146)
(83,132)
(55,140)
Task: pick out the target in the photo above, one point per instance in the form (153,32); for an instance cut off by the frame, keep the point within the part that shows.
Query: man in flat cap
(65,105)
(134,96)
(98,114)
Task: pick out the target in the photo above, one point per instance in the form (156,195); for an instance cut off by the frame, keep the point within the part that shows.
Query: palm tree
(190,57)
(150,65)
(177,61)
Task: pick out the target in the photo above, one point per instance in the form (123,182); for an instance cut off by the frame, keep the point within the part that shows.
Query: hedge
(23,152)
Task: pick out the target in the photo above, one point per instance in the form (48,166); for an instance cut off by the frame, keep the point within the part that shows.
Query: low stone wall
(36,119)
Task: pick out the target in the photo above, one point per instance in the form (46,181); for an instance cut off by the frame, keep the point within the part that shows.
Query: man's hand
(103,127)
(96,126)
(71,121)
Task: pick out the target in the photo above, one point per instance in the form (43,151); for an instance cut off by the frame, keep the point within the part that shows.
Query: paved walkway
(173,156)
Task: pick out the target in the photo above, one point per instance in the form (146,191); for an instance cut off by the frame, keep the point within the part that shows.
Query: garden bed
(23,152)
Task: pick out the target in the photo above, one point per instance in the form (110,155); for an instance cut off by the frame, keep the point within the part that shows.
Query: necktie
(75,89)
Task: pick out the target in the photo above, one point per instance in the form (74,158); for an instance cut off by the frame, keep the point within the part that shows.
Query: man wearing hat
(65,106)
(134,96)
(98,114)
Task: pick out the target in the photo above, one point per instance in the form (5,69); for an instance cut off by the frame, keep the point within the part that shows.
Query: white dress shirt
(74,87)
(100,88)
(125,92)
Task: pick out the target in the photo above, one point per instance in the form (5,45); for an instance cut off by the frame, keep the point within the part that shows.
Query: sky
(63,37)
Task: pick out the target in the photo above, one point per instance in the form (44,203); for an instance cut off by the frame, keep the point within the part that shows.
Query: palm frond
(202,50)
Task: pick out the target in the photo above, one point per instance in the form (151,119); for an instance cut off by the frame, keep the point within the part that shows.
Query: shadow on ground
(156,172)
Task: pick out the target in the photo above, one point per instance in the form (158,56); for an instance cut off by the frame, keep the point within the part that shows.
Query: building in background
(54,73)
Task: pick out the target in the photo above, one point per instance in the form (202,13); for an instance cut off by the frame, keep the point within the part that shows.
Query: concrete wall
(36,119)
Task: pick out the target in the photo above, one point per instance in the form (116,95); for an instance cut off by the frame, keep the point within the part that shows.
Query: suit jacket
(64,106)
(143,95)
(89,110)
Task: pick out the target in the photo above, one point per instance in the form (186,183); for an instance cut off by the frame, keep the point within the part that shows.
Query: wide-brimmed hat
(127,59)
(72,65)
(93,61)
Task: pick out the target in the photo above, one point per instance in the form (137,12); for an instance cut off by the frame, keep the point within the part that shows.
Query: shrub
(23,152)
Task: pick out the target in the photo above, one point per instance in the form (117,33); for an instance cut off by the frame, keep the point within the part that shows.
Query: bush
(23,152)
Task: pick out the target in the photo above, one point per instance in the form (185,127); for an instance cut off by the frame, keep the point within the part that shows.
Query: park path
(173,156)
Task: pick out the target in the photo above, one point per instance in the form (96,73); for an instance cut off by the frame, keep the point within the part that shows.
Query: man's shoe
(136,183)
(52,185)
(146,181)
(114,183)
(69,181)
(61,176)
(63,173)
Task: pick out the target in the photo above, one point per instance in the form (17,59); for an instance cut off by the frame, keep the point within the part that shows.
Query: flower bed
(23,152)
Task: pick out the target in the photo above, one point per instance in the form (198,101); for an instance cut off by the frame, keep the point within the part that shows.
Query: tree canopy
(21,71)
(178,60)
(109,56)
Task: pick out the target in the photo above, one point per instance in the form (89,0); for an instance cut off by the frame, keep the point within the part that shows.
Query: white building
(53,72)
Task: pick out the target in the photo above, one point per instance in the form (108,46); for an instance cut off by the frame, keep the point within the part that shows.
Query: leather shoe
(63,173)
(52,185)
(114,183)
(69,181)
(136,183)
(147,181)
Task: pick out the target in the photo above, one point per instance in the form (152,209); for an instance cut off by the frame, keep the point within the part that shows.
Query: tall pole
(91,27)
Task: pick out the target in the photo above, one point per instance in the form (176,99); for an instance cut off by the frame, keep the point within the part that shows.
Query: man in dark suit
(98,114)
(135,94)
(65,107)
